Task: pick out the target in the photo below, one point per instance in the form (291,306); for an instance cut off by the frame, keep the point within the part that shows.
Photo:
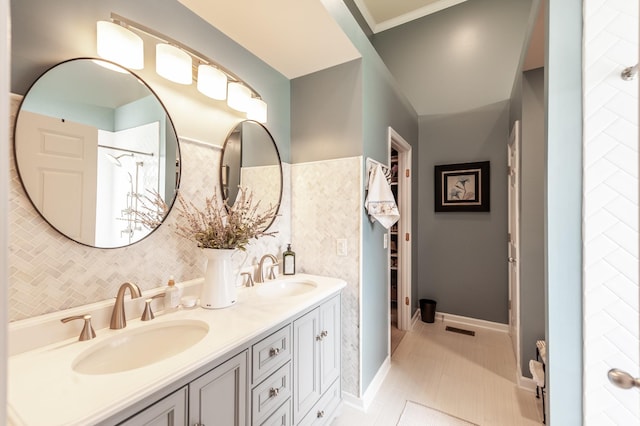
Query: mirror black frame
(223,175)
(178,161)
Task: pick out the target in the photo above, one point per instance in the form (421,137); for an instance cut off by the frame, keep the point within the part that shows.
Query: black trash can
(428,310)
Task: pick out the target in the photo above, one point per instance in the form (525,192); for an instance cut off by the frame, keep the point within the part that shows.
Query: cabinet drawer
(270,394)
(324,410)
(281,417)
(270,353)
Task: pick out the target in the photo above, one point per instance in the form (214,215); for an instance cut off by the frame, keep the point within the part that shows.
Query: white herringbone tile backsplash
(326,207)
(48,272)
(611,300)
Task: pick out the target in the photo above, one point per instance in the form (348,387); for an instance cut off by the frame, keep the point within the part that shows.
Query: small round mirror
(250,159)
(93,144)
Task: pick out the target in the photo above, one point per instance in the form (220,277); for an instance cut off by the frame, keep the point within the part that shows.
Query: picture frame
(463,187)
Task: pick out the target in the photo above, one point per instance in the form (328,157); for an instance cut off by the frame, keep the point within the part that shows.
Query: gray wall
(563,221)
(326,114)
(384,106)
(463,256)
(380,105)
(532,216)
(458,67)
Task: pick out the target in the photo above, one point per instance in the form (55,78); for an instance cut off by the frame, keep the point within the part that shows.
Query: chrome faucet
(272,274)
(118,317)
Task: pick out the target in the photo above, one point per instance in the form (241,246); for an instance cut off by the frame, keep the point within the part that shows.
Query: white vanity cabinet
(169,411)
(220,396)
(272,359)
(316,360)
(289,375)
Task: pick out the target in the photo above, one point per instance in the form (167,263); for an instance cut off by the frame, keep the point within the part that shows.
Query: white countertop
(44,390)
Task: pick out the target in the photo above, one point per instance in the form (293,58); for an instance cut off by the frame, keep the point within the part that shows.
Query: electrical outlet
(341,246)
(385,240)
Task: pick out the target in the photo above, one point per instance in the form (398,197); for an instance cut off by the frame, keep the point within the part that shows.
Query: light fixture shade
(173,64)
(120,45)
(257,110)
(212,82)
(238,96)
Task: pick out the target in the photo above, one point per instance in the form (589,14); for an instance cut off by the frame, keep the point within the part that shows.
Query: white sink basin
(140,347)
(284,288)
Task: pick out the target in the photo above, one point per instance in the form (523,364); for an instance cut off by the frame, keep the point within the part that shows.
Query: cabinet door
(330,343)
(306,363)
(220,396)
(169,411)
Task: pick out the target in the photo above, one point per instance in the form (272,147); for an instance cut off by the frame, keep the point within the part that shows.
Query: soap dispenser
(288,261)
(171,295)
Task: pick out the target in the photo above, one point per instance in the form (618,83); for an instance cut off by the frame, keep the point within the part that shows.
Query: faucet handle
(87,332)
(248,282)
(272,272)
(147,315)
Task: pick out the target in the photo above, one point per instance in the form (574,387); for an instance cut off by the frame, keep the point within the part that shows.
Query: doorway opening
(400,241)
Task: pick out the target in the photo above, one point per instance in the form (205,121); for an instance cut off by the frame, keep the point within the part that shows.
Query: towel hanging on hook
(380,202)
(371,163)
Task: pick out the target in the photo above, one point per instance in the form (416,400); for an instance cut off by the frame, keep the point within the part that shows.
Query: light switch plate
(385,240)
(341,246)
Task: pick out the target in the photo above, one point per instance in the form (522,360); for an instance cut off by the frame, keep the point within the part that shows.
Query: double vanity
(273,358)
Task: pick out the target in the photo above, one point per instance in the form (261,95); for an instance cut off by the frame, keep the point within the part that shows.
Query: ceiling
(295,37)
(384,14)
(300,37)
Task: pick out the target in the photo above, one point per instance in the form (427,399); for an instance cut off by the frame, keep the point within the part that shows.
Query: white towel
(380,204)
(537,371)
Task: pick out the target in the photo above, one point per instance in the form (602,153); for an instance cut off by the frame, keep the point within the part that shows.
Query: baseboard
(365,401)
(415,318)
(457,319)
(352,400)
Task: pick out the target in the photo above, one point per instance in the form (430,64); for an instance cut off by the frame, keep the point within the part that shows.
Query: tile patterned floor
(472,378)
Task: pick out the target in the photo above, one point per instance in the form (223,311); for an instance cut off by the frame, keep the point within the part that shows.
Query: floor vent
(460,330)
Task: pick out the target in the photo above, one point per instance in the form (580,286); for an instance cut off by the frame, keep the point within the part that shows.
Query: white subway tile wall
(611,311)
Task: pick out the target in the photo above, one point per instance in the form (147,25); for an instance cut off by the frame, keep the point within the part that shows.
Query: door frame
(513,242)
(405,303)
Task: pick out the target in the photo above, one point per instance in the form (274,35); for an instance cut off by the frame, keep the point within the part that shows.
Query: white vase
(219,287)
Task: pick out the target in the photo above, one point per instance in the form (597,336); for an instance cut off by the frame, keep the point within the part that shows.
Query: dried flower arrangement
(221,226)
(218,225)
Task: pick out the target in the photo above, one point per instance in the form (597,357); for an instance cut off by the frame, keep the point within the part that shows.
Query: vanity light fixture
(257,110)
(212,82)
(173,63)
(118,44)
(238,96)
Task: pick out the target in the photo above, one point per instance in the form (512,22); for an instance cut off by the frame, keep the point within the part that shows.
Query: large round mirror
(93,147)
(250,159)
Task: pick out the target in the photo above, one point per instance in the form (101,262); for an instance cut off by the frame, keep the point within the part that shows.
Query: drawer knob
(319,337)
(320,414)
(273,392)
(324,333)
(274,351)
